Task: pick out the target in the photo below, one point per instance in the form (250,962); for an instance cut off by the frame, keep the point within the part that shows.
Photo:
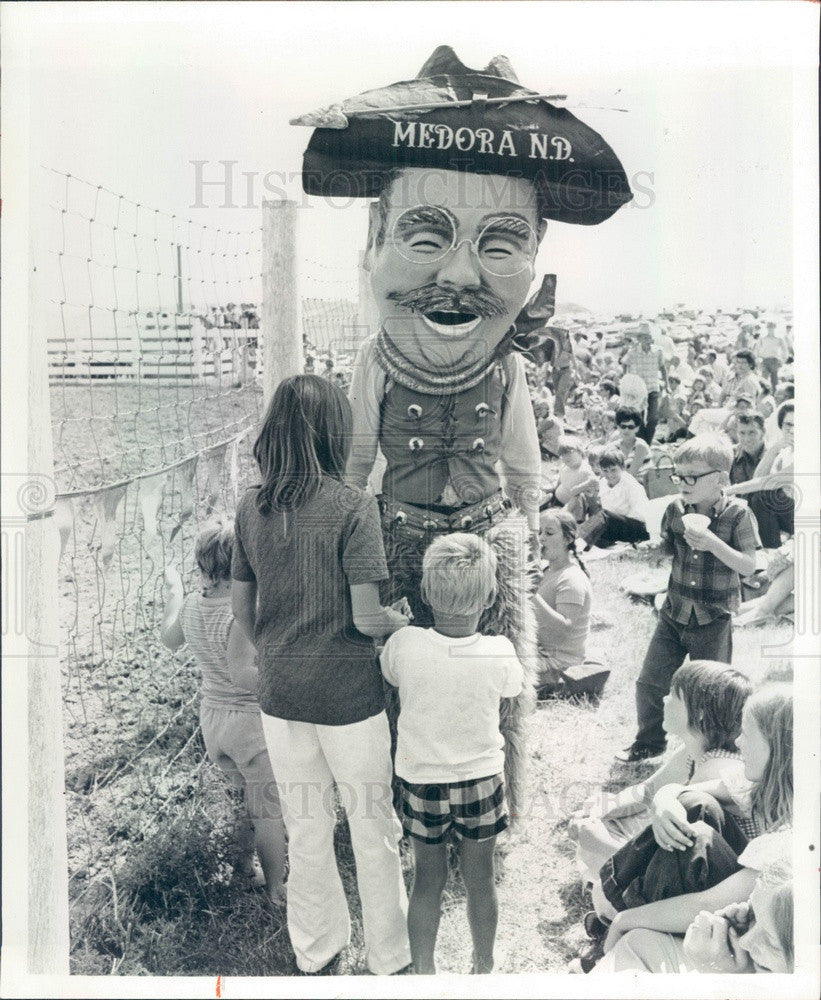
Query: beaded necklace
(402,370)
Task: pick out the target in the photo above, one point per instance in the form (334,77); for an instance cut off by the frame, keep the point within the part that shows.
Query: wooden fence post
(281,328)
(48,933)
(198,350)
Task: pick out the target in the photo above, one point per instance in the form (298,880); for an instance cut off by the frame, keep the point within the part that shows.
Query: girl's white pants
(307,760)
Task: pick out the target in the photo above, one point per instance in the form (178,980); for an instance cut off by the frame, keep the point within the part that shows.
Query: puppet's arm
(521,458)
(366,392)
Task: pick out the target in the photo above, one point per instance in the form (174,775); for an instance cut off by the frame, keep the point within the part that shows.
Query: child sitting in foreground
(450,753)
(707,863)
(702,710)
(699,855)
(753,936)
(229,710)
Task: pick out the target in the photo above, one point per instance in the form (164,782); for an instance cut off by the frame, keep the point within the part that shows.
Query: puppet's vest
(432,440)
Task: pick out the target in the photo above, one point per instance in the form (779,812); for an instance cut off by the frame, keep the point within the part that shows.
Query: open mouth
(452,322)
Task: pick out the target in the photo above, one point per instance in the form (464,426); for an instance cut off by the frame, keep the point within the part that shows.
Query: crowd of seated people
(644,388)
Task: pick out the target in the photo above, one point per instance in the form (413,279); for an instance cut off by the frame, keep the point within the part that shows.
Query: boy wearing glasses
(704,587)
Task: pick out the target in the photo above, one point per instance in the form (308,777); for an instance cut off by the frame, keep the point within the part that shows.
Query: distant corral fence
(167,347)
(141,294)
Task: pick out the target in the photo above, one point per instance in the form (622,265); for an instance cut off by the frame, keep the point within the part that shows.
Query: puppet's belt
(409,519)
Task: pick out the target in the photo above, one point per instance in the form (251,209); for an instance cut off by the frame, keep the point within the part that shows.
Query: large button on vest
(432,441)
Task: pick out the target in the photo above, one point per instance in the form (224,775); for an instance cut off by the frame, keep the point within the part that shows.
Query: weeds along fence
(163,338)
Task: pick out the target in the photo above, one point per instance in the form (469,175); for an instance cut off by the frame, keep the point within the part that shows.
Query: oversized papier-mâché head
(467,166)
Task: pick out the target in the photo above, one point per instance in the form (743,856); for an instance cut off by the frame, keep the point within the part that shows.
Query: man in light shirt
(648,363)
(623,517)
(772,353)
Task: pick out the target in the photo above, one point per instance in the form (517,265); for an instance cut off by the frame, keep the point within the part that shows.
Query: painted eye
(427,243)
(416,444)
(478,445)
(466,521)
(482,410)
(498,248)
(414,411)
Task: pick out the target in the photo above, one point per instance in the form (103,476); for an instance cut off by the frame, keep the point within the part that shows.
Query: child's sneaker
(587,960)
(595,928)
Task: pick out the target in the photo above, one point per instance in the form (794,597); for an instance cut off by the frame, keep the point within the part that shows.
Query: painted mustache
(433,298)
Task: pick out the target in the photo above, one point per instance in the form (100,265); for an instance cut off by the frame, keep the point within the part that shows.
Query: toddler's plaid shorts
(474,809)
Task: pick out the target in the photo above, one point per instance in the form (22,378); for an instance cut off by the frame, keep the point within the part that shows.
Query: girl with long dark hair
(308,559)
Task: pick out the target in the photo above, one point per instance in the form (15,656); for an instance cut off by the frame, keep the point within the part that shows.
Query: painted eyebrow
(515,224)
(486,220)
(424,213)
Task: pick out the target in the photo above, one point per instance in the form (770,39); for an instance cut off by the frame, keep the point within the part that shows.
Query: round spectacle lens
(505,247)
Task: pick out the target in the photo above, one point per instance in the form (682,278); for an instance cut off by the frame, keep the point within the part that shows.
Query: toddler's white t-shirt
(449,692)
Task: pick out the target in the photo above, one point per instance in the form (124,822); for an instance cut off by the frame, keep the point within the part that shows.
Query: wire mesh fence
(155,362)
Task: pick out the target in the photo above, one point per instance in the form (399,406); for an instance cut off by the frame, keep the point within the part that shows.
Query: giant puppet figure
(468,166)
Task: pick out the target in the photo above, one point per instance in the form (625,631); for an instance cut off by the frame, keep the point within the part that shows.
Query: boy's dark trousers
(670,644)
(641,872)
(605,528)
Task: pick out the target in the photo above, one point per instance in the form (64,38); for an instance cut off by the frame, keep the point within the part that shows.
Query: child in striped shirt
(229,711)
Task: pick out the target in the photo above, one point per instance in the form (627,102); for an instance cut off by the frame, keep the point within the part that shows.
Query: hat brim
(577,176)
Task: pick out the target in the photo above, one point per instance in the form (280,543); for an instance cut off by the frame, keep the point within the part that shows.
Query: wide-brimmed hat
(479,121)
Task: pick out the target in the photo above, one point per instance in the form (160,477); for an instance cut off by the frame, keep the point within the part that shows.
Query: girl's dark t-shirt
(314,666)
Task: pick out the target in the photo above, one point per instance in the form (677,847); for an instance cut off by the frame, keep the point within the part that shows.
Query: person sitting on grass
(229,709)
(710,555)
(575,477)
(623,514)
(711,388)
(753,936)
(702,710)
(591,494)
(606,431)
(450,753)
(697,397)
(773,506)
(548,428)
(636,451)
(742,407)
(704,861)
(672,425)
(779,598)
(742,381)
(750,449)
(610,394)
(563,605)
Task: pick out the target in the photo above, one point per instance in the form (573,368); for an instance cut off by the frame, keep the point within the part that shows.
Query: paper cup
(695,522)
